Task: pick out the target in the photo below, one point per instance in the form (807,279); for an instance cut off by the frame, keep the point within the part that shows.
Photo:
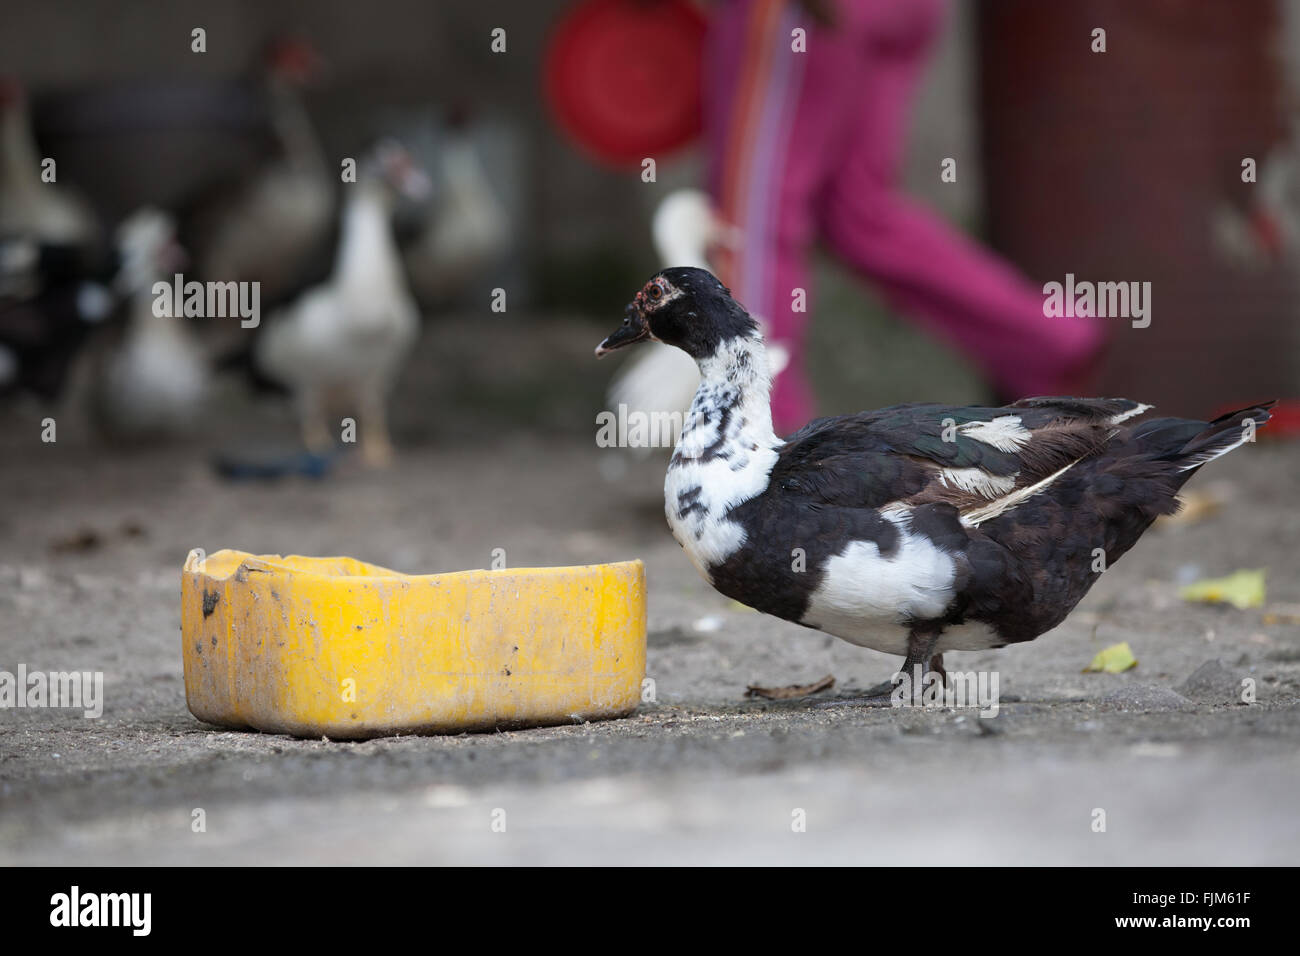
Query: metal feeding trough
(337,648)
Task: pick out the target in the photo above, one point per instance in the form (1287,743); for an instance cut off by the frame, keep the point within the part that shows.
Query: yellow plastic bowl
(337,648)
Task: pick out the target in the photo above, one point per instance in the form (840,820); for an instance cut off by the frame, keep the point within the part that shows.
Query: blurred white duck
(468,227)
(43,212)
(346,340)
(663,379)
(154,380)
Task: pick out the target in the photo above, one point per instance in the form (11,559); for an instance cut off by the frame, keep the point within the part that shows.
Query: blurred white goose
(468,228)
(30,208)
(346,340)
(153,382)
(663,379)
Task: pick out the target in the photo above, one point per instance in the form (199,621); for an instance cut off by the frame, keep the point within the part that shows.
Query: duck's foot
(376,446)
(883,689)
(913,678)
(869,699)
(886,688)
(311,420)
(377,452)
(882,694)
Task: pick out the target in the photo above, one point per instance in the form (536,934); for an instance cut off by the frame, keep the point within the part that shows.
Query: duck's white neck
(735,383)
(725,454)
(367,254)
(19,163)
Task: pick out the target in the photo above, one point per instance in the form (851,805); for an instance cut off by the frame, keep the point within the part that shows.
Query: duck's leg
(921,660)
(311,419)
(376,445)
(936,666)
(885,688)
(920,653)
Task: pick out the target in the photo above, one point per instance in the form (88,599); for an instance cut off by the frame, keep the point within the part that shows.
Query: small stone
(1145,697)
(1212,682)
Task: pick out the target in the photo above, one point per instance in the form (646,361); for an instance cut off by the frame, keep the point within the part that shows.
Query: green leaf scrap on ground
(1241,589)
(1113,660)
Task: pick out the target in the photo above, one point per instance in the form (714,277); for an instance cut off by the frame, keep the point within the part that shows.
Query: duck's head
(147,249)
(392,167)
(685,307)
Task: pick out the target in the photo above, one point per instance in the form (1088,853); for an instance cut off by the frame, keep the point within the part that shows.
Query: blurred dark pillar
(1111,165)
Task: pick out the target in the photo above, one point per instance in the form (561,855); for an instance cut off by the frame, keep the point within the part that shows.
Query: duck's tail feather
(1189,444)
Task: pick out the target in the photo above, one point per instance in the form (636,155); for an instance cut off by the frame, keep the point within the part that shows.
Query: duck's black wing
(967,456)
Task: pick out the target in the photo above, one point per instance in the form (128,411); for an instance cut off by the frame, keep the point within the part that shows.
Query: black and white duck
(916,529)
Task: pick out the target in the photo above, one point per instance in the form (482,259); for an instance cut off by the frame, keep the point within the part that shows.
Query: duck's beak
(633,329)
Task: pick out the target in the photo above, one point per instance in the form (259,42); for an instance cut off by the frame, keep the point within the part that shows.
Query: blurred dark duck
(269,227)
(55,268)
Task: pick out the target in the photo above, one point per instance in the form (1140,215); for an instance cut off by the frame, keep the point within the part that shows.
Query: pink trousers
(808,145)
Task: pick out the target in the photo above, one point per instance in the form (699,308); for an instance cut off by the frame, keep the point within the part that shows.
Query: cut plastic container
(333,647)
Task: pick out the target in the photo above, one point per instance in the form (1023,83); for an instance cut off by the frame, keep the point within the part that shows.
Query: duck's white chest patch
(724,457)
(866,597)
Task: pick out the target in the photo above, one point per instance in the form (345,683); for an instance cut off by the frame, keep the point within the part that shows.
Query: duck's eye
(655,292)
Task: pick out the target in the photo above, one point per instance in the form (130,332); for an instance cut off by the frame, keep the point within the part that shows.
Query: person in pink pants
(809,145)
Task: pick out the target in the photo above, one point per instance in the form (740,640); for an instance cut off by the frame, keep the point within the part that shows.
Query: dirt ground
(92,541)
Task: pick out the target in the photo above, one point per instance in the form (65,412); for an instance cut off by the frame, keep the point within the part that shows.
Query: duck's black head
(685,307)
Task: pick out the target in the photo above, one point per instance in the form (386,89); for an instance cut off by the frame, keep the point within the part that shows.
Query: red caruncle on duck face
(655,294)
